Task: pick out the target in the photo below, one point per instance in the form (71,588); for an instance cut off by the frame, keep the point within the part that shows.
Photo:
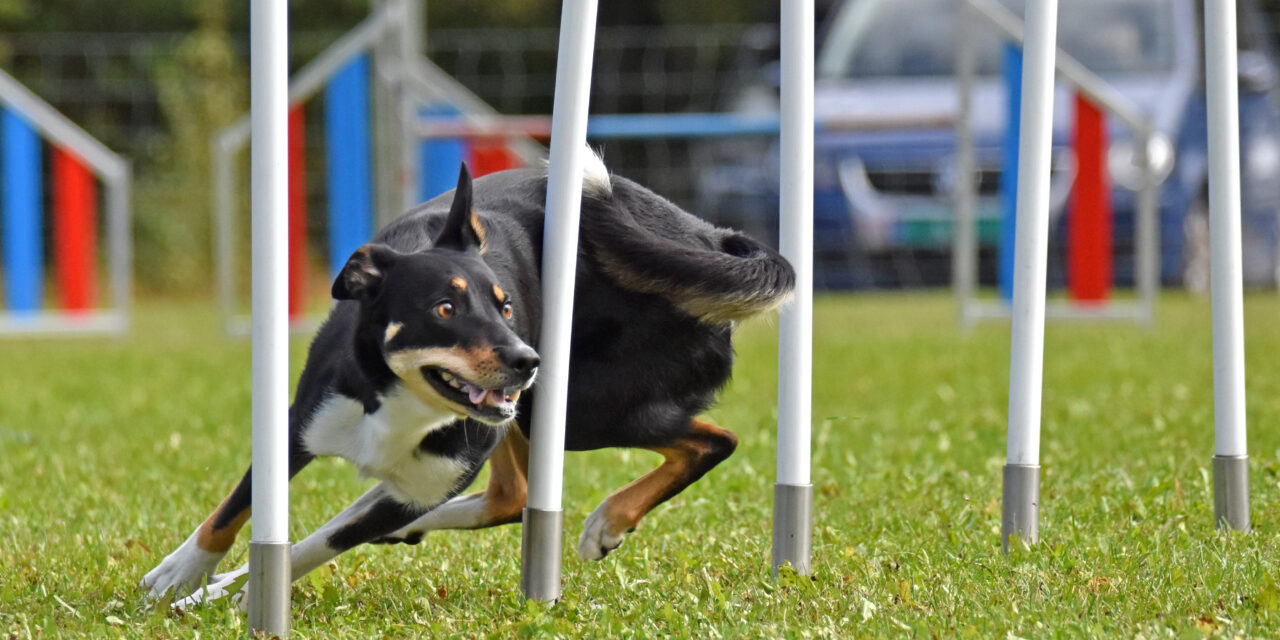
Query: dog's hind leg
(502,501)
(197,558)
(372,515)
(686,458)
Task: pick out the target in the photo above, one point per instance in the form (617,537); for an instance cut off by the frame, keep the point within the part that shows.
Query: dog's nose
(522,358)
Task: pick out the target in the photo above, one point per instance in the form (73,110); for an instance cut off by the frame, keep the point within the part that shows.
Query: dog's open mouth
(481,403)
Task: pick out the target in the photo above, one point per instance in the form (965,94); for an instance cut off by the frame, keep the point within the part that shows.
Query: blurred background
(158,81)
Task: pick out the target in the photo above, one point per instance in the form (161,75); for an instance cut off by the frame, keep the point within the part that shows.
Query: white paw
(597,540)
(182,571)
(232,583)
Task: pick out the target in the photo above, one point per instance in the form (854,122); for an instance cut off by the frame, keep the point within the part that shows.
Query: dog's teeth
(447,376)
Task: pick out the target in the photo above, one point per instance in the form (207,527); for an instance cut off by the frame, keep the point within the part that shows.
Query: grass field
(111,451)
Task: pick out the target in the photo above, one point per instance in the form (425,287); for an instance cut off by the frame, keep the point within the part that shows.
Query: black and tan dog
(418,372)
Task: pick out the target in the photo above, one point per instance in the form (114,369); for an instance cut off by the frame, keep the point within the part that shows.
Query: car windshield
(917,38)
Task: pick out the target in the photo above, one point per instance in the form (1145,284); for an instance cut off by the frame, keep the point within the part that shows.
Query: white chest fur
(384,444)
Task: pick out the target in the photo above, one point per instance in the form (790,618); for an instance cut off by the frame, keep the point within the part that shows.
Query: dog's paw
(231,583)
(181,572)
(599,536)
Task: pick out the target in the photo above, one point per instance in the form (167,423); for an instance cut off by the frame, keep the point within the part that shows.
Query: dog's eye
(507,310)
(445,310)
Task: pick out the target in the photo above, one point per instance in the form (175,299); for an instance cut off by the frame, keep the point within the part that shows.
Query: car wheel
(1195,247)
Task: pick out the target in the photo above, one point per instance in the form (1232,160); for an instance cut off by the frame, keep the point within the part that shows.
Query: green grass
(111,451)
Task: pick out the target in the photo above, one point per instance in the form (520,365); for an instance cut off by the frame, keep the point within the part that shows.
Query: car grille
(923,183)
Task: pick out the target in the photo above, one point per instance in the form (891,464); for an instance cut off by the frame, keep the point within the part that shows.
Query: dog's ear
(462,230)
(361,278)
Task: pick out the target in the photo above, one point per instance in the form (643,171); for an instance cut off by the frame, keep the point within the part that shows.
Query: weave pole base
(540,554)
(1021,502)
(792,527)
(1231,492)
(270,575)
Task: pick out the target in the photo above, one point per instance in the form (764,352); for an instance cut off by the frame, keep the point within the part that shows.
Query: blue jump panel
(1009,168)
(349,167)
(440,158)
(23,237)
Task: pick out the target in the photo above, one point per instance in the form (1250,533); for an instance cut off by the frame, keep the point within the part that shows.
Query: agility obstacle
(1089,272)
(543,517)
(1021,484)
(1231,456)
(30,131)
(345,81)
(1021,495)
(1083,189)
(278,208)
(793,494)
(270,573)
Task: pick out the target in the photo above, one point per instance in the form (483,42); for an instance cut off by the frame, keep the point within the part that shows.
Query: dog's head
(446,326)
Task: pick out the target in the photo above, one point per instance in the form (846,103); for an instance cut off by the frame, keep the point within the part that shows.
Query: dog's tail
(713,274)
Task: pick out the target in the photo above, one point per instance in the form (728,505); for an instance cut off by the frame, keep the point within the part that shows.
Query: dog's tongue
(479,396)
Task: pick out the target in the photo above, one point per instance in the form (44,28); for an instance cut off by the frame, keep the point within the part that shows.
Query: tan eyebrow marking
(458,283)
(392,330)
(499,293)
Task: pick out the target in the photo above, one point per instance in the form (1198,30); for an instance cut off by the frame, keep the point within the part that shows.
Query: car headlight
(1263,157)
(1122,161)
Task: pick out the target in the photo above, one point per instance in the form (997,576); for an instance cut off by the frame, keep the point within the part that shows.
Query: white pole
(410,51)
(269,572)
(964,244)
(1031,250)
(543,520)
(1231,465)
(793,493)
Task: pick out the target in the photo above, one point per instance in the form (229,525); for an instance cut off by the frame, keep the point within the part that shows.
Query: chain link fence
(107,82)
(156,98)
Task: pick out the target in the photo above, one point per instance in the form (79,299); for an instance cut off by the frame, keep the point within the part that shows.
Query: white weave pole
(1021,499)
(1231,461)
(269,571)
(543,518)
(793,493)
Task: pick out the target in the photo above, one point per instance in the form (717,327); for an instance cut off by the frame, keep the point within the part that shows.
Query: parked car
(883,209)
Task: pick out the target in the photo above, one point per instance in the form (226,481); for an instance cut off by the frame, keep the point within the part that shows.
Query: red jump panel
(75,219)
(489,157)
(297,213)
(1089,228)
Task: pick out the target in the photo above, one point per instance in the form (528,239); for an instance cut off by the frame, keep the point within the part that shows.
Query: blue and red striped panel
(1089,225)
(74,222)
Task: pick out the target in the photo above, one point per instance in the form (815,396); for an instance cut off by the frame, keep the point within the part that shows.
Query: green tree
(201,89)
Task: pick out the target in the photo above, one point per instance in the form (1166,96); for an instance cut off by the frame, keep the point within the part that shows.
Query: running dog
(425,363)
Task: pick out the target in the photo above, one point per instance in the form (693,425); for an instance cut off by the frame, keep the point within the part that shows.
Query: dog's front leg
(183,571)
(372,515)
